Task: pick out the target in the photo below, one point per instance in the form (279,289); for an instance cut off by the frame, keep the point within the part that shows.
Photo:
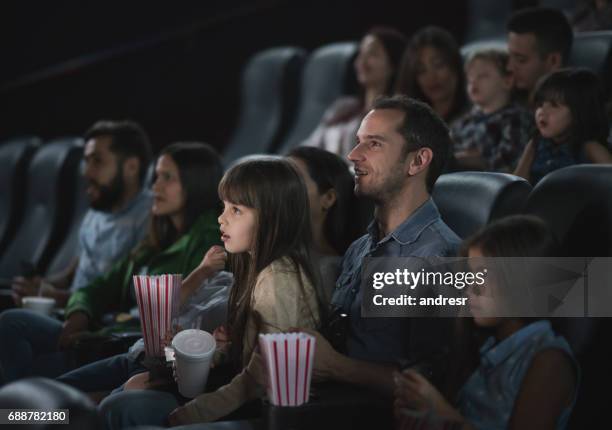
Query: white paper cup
(42,305)
(193,351)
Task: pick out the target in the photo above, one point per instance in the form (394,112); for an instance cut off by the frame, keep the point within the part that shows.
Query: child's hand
(414,391)
(214,259)
(167,339)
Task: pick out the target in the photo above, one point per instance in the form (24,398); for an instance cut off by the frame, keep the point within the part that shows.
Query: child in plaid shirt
(493,134)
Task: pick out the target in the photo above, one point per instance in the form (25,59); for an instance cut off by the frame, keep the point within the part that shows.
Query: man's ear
(553,61)
(131,169)
(421,160)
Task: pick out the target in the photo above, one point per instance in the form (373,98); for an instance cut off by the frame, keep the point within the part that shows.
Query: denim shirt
(387,340)
(487,398)
(107,237)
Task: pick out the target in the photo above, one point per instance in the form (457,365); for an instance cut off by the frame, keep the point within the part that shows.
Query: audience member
(494,133)
(266,229)
(525,376)
(402,147)
(539,42)
(183,227)
(432,71)
(117,155)
(571,124)
(330,192)
(593,15)
(376,69)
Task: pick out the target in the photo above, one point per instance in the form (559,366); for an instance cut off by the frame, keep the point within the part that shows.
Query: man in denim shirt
(402,147)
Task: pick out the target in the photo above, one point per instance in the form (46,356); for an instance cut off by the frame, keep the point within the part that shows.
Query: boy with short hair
(492,135)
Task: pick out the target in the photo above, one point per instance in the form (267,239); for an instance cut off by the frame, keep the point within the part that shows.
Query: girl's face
(168,196)
(481,299)
(319,203)
(434,75)
(372,64)
(553,120)
(238,225)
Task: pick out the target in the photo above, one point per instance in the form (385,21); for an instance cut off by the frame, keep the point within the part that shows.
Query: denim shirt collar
(492,354)
(409,230)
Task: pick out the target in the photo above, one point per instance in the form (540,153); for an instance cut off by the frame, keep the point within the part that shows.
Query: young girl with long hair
(265,227)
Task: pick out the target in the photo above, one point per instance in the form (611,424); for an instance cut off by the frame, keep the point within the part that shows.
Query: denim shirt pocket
(343,290)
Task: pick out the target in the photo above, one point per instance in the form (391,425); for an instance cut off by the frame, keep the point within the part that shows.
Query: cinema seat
(15,156)
(469,200)
(593,50)
(270,83)
(327,76)
(47,207)
(576,202)
(46,394)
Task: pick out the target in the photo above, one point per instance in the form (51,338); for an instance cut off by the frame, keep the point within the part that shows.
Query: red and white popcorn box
(289,358)
(158,305)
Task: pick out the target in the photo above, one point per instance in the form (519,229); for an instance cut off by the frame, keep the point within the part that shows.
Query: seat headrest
(469,200)
(46,394)
(576,202)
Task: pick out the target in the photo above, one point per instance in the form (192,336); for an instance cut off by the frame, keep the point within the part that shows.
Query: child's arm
(547,389)
(523,169)
(597,153)
(213,261)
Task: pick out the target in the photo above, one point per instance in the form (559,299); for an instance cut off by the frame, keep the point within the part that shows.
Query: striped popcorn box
(158,303)
(289,360)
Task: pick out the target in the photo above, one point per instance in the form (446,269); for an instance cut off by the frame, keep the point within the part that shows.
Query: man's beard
(108,195)
(382,193)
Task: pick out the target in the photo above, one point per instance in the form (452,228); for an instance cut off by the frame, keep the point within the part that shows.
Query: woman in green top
(183,227)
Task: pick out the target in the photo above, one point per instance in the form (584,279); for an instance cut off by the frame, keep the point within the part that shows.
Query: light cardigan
(282,303)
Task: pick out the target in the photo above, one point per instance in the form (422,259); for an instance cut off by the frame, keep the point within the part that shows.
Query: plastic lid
(194,344)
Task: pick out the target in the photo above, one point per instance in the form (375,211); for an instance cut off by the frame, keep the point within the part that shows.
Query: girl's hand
(178,417)
(214,260)
(414,391)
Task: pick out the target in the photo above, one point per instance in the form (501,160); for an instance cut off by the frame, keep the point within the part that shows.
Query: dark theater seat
(327,75)
(270,84)
(576,202)
(470,200)
(593,50)
(47,208)
(46,394)
(15,156)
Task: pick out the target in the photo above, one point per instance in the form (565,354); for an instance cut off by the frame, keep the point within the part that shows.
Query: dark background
(173,66)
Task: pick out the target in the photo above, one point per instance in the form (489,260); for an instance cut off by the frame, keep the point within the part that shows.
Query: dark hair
(128,139)
(421,128)
(448,48)
(200,169)
(581,91)
(513,236)
(394,43)
(550,27)
(274,188)
(329,171)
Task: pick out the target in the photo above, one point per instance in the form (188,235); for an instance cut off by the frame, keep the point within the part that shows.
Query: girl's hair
(394,43)
(513,236)
(448,49)
(274,188)
(496,56)
(200,170)
(580,90)
(329,171)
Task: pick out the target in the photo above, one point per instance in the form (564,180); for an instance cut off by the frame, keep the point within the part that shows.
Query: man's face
(526,63)
(103,174)
(380,167)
